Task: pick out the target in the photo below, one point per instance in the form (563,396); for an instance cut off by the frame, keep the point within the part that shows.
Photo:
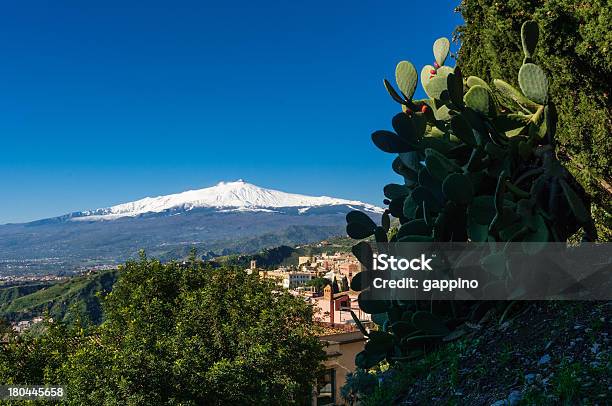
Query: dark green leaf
(394,190)
(458,188)
(390,142)
(414,227)
(359,231)
(356,216)
(462,130)
(363,253)
(372,306)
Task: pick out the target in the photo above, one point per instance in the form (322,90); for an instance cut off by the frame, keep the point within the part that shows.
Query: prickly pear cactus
(477,163)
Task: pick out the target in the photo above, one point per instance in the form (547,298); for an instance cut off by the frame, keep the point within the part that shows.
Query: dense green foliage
(319,283)
(478,164)
(68,300)
(178,335)
(575,51)
(14,291)
(285,255)
(268,257)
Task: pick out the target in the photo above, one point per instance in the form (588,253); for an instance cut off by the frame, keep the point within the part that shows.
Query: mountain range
(230,217)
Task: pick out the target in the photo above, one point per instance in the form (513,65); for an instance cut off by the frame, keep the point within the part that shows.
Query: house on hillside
(341,345)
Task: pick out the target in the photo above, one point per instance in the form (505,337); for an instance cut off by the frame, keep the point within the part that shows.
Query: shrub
(176,335)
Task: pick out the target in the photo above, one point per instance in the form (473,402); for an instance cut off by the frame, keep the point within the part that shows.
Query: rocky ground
(538,353)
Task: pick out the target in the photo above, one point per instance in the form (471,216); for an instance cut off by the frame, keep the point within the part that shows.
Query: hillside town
(324,282)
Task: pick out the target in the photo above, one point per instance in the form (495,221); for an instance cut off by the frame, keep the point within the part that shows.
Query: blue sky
(107,102)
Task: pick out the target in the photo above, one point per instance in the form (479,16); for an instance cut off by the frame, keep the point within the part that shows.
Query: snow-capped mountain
(230,217)
(238,195)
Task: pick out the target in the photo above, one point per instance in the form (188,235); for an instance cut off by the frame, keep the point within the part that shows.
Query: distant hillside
(229,218)
(63,300)
(78,295)
(12,292)
(285,255)
(291,236)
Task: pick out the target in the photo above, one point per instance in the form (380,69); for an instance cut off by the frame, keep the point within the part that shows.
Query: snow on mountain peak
(237,195)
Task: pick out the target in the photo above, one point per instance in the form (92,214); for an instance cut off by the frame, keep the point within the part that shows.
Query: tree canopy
(178,335)
(574,51)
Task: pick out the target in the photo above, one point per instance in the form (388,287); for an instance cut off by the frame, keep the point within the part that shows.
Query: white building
(293,279)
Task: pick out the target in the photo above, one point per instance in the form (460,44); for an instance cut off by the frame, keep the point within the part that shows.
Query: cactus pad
(462,130)
(575,203)
(425,74)
(458,188)
(476,81)
(509,92)
(435,87)
(443,71)
(393,93)
(394,191)
(410,128)
(529,37)
(414,227)
(533,83)
(363,253)
(454,83)
(356,216)
(443,113)
(406,78)
(391,142)
(477,98)
(440,50)
(358,231)
(436,167)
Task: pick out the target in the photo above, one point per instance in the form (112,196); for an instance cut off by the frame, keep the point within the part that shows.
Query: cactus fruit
(477,164)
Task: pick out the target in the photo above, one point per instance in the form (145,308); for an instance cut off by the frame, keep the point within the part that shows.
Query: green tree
(319,283)
(575,52)
(179,335)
